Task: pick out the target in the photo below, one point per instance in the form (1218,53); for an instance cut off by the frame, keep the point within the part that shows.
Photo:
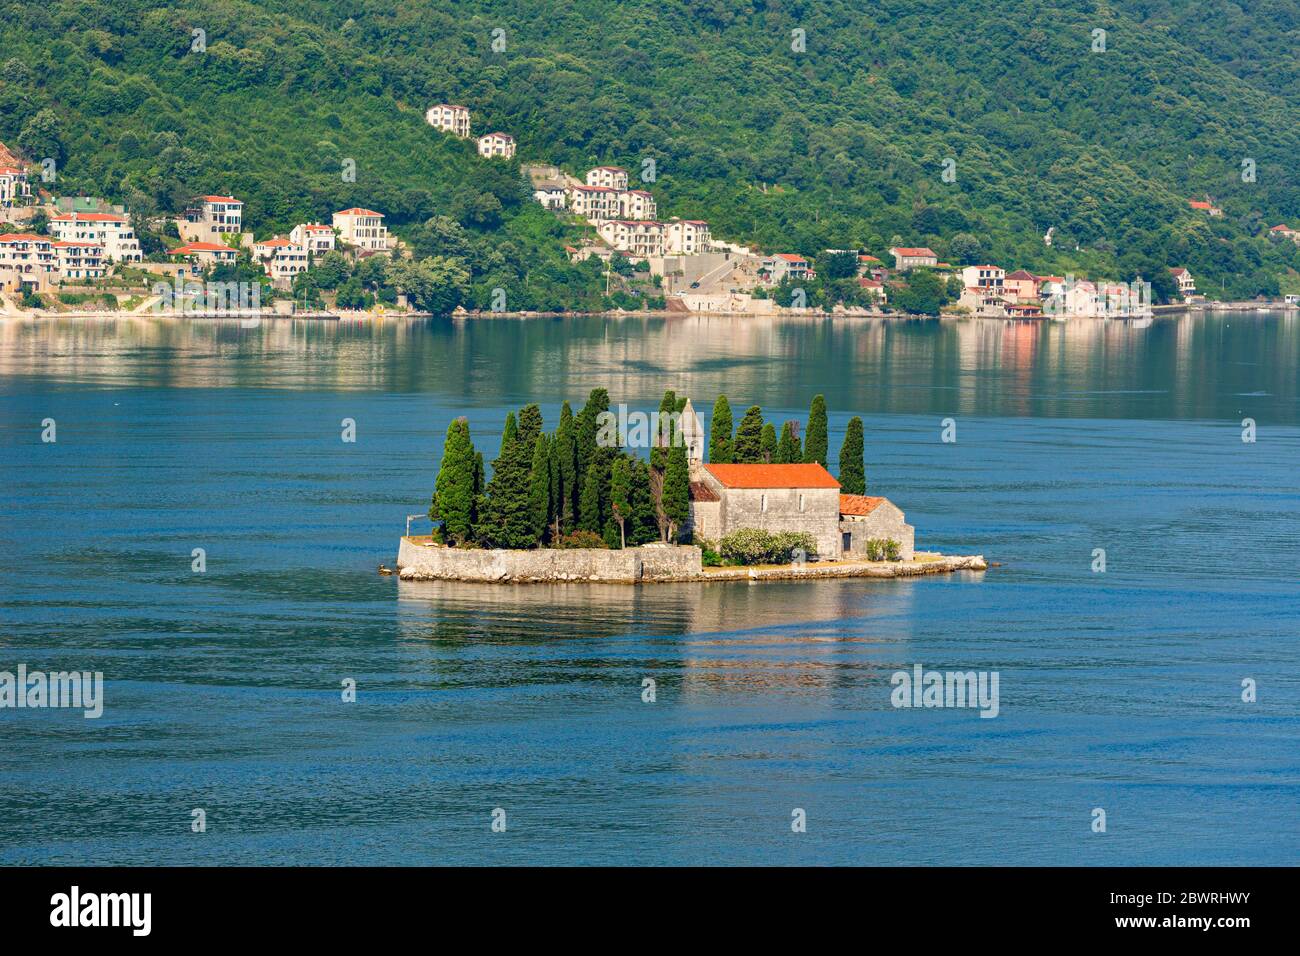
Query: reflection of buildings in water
(717,637)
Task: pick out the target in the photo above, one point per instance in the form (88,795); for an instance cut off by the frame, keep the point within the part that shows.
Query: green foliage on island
(838,147)
(756,546)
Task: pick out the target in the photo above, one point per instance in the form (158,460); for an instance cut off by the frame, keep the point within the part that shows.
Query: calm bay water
(1118,690)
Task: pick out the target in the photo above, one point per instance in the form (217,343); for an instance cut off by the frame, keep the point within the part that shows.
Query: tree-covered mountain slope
(840,144)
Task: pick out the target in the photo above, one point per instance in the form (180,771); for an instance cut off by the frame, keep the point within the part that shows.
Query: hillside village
(53,245)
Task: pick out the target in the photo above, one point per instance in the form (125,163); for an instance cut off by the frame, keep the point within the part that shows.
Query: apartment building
(449,118)
(362,229)
(595,203)
(687,237)
(496,146)
(214,216)
(636,204)
(110,230)
(14,187)
(79,260)
(611,177)
(27,260)
(316,237)
(281,258)
(635,237)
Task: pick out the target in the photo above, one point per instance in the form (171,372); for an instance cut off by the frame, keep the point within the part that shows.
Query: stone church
(799,497)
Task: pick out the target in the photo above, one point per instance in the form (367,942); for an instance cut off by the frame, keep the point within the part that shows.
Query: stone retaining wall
(420,562)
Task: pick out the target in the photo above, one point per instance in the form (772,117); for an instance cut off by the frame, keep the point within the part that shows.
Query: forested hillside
(839,145)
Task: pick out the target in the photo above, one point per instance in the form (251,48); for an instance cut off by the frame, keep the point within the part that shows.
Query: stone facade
(878,518)
(801,506)
(417,561)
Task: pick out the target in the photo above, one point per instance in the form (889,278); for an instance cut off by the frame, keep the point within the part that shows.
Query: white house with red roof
(636,204)
(785,265)
(496,146)
(204,254)
(1202,205)
(316,237)
(1283,231)
(281,258)
(213,216)
(687,237)
(1186,284)
(79,260)
(912,257)
(611,177)
(636,237)
(14,187)
(112,231)
(450,118)
(362,229)
(27,261)
(595,203)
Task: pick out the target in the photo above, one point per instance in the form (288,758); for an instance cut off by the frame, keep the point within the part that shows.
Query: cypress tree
(663,437)
(644,524)
(505,520)
(509,435)
(767,444)
(589,502)
(721,447)
(749,437)
(853,469)
(677,489)
(587,426)
(566,458)
(815,446)
(530,425)
(453,496)
(788,451)
(620,495)
(539,486)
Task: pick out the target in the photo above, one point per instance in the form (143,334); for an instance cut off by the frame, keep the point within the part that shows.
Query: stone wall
(653,562)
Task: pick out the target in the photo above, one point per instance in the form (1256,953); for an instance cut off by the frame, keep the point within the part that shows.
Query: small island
(580,504)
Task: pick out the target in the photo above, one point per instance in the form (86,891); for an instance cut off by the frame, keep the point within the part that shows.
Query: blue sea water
(1119,690)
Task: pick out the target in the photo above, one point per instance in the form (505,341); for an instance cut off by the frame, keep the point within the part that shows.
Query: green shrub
(582,539)
(882,549)
(755,546)
(709,555)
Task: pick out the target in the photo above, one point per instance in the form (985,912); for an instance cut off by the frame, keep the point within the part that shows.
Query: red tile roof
(810,475)
(858,504)
(226,199)
(88,217)
(915,251)
(358,211)
(200,247)
(22,237)
(1022,274)
(1199,204)
(1177,270)
(12,171)
(790,257)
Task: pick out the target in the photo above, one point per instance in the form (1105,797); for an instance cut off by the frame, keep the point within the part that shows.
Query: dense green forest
(839,145)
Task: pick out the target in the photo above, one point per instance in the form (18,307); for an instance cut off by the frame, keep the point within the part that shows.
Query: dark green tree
(815,444)
(721,448)
(566,458)
(853,469)
(530,425)
(588,426)
(505,517)
(677,490)
(539,485)
(767,443)
(453,496)
(620,495)
(749,437)
(589,517)
(659,449)
(788,449)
